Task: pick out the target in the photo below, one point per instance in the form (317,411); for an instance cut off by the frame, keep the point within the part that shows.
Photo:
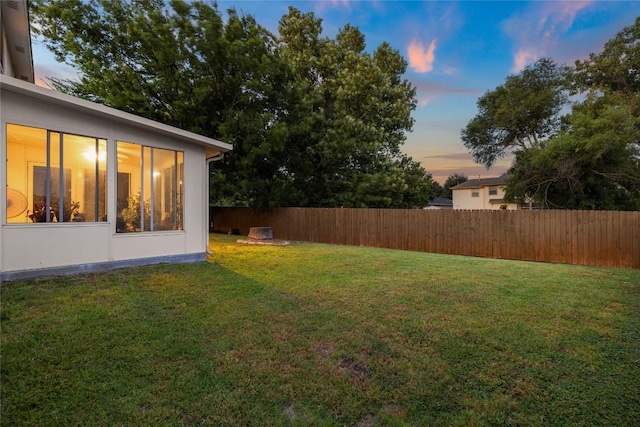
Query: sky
(456,51)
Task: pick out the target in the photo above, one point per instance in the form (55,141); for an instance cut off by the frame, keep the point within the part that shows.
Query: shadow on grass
(286,339)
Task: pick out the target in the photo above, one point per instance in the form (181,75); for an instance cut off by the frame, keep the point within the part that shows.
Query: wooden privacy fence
(600,238)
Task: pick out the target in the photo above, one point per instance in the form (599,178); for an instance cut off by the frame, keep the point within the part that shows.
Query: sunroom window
(54,176)
(150,190)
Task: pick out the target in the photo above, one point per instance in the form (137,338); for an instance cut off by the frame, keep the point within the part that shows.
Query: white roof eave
(11,84)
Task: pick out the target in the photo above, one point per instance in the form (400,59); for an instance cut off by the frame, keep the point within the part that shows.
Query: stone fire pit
(262,236)
(260,233)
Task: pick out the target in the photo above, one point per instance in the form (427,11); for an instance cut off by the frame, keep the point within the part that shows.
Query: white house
(482,193)
(88,187)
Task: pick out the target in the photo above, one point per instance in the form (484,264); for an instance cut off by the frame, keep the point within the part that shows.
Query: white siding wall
(462,199)
(33,246)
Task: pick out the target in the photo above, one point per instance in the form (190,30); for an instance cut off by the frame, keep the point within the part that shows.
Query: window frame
(54,145)
(146,170)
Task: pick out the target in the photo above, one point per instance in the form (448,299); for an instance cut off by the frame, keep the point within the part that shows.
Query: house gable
(16,59)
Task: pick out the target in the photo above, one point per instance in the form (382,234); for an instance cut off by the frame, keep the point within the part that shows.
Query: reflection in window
(54,177)
(150,188)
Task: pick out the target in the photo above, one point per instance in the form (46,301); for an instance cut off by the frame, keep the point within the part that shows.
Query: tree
(252,118)
(132,56)
(593,166)
(517,115)
(418,185)
(346,129)
(452,181)
(313,121)
(438,191)
(179,64)
(615,69)
(595,162)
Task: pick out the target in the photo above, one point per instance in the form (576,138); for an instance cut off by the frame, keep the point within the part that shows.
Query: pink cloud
(421,60)
(537,31)
(425,99)
(522,58)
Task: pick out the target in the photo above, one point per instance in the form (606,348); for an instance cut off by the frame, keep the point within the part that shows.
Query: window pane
(180,207)
(93,194)
(102,180)
(79,158)
(55,189)
(149,188)
(26,147)
(129,187)
(147,176)
(122,197)
(164,189)
(52,198)
(40,186)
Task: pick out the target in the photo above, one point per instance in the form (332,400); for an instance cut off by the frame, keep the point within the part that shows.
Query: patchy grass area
(325,335)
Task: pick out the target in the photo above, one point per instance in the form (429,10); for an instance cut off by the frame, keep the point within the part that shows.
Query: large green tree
(180,64)
(348,127)
(517,115)
(138,57)
(313,121)
(452,181)
(595,162)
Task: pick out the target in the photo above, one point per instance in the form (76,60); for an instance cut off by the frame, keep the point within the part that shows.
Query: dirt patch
(368,420)
(289,411)
(323,349)
(357,370)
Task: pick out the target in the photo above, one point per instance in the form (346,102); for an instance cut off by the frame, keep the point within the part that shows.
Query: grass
(325,335)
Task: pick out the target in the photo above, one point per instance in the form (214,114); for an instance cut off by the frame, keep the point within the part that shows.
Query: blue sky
(456,50)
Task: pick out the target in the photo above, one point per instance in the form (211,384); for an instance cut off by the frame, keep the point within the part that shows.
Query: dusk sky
(456,51)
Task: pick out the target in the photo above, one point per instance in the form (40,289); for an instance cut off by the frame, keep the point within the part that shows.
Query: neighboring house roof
(481,182)
(15,23)
(441,201)
(37,93)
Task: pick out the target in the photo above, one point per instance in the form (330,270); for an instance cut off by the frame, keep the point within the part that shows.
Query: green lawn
(324,335)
